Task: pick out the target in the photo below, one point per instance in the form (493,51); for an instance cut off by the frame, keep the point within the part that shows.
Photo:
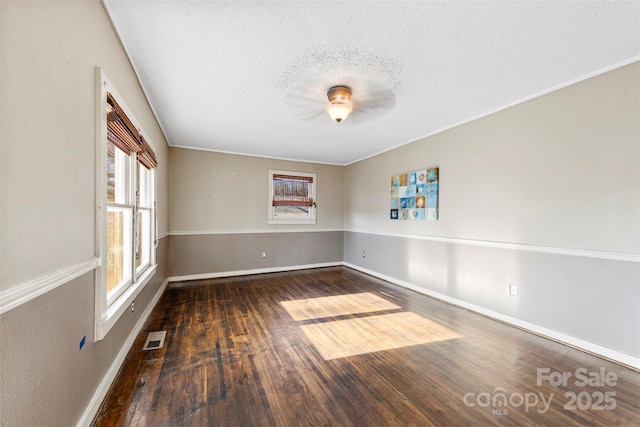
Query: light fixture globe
(340,108)
(339,112)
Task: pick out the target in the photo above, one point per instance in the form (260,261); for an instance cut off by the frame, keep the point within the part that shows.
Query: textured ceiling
(251,77)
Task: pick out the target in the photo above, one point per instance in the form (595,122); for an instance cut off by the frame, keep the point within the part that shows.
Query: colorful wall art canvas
(414,195)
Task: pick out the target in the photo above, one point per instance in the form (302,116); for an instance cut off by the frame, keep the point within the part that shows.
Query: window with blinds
(126,235)
(130,161)
(292,197)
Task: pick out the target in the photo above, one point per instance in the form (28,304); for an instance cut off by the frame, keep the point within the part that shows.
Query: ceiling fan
(360,100)
(339,103)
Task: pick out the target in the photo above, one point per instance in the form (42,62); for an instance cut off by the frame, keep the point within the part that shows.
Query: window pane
(291,211)
(291,190)
(118,247)
(144,180)
(144,239)
(116,174)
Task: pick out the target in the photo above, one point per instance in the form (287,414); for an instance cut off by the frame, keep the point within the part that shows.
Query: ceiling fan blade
(305,97)
(372,100)
(315,117)
(372,105)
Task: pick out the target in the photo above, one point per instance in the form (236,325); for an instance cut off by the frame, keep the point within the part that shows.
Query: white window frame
(150,192)
(311,219)
(109,309)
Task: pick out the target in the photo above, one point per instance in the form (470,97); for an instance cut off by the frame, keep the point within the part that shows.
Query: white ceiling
(251,77)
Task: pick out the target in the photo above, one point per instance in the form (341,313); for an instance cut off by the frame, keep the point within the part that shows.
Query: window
(126,196)
(119,220)
(292,197)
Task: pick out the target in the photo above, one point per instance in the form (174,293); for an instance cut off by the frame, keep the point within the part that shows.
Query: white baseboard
(598,350)
(104,386)
(294,229)
(252,271)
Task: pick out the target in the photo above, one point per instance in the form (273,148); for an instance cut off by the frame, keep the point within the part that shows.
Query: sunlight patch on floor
(338,305)
(344,338)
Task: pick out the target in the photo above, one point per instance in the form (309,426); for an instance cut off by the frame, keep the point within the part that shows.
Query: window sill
(109,318)
(291,221)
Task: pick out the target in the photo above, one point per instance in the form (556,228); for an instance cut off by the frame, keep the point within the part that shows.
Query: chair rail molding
(20,294)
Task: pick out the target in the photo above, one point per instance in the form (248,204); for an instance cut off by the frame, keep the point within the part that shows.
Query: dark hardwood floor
(334,347)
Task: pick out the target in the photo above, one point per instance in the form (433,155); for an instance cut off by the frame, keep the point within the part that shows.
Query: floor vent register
(155,340)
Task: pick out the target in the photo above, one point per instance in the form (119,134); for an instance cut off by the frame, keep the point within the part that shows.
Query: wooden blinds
(291,190)
(147,157)
(123,134)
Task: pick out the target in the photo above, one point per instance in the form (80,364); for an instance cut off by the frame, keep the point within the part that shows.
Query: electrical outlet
(364,254)
(513,290)
(264,254)
(132,306)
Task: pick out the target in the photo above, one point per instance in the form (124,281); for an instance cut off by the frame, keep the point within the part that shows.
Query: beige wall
(218,215)
(49,53)
(221,192)
(560,173)
(560,170)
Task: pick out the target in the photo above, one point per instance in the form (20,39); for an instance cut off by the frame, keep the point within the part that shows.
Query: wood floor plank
(335,347)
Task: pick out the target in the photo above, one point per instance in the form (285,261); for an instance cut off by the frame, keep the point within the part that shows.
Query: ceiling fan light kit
(340,99)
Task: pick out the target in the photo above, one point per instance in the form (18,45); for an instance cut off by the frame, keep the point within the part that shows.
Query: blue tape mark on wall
(82,341)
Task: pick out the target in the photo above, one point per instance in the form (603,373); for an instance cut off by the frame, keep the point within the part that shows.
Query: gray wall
(218,215)
(561,171)
(591,299)
(45,380)
(49,54)
(215,253)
